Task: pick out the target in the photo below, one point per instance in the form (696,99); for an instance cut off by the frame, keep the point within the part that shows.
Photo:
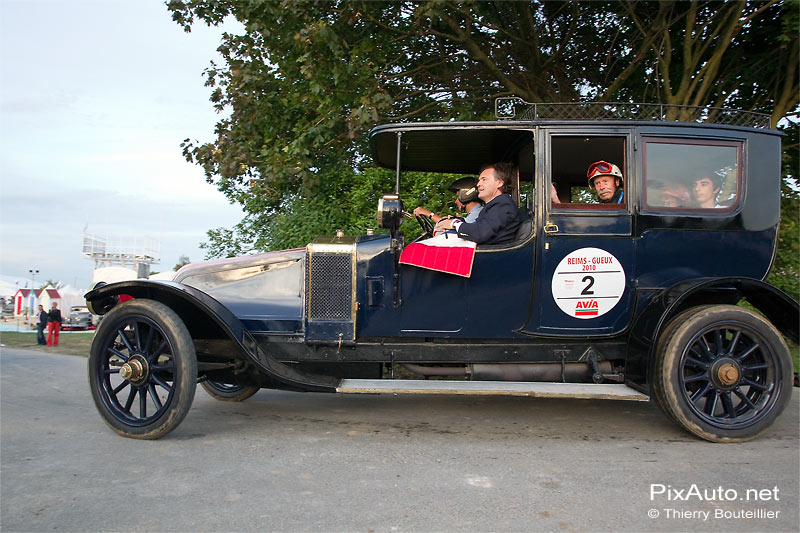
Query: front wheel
(142,369)
(723,373)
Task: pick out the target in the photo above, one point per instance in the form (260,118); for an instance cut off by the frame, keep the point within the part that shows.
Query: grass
(68,343)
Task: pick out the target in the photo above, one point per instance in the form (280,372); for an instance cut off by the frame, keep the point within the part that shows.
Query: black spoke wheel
(142,369)
(229,392)
(723,373)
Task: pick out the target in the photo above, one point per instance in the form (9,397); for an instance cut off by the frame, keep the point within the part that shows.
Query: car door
(584,254)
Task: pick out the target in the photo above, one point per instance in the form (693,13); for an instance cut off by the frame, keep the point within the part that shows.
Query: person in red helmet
(606,180)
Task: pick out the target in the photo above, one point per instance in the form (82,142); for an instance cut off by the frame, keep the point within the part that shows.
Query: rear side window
(684,175)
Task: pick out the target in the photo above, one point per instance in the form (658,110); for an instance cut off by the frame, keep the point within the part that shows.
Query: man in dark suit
(43,318)
(499,220)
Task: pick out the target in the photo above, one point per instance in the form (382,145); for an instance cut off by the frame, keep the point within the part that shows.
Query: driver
(466,190)
(606,180)
(500,217)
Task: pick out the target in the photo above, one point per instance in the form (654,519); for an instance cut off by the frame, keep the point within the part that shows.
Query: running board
(491,388)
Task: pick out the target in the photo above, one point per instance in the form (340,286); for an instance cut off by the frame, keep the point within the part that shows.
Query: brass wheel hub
(726,373)
(134,370)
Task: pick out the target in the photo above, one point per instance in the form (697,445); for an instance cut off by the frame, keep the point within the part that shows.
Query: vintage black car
(628,301)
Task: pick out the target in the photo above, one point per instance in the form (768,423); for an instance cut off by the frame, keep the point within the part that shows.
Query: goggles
(597,168)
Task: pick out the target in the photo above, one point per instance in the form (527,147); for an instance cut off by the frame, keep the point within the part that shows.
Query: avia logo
(586,308)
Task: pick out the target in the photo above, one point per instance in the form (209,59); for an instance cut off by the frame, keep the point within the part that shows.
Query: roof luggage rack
(505,108)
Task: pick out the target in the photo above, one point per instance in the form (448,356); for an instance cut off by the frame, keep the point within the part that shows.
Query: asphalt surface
(312,462)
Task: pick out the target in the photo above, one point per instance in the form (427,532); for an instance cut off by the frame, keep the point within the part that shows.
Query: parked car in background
(78,319)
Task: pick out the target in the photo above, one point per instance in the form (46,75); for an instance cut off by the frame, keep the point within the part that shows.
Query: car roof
(454,147)
(464,147)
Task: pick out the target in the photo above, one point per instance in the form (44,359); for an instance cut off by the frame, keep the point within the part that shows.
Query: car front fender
(204,316)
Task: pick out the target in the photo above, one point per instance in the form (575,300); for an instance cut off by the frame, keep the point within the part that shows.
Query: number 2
(586,290)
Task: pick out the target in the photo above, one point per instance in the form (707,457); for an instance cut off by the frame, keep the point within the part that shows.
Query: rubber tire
(232,393)
(668,385)
(658,391)
(185,361)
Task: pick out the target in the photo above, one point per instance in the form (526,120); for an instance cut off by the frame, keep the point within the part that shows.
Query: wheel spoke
(129,402)
(119,354)
(149,341)
(752,383)
(696,377)
(124,338)
(711,404)
(121,386)
(697,362)
(755,367)
(161,382)
(734,342)
(702,392)
(137,335)
(158,351)
(706,348)
(727,403)
(163,368)
(700,355)
(718,341)
(109,371)
(742,396)
(154,396)
(142,404)
(744,355)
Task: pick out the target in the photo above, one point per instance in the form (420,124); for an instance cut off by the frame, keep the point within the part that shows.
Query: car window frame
(738,144)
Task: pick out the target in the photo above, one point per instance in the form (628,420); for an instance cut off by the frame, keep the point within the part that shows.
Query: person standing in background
(53,325)
(43,319)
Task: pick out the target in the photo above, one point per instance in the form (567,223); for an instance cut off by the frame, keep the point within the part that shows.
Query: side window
(688,175)
(573,157)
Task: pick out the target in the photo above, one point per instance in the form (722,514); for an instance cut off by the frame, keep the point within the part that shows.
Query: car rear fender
(205,318)
(777,306)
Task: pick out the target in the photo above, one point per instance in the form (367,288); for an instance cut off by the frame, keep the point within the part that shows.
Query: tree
(785,273)
(307,80)
(182,260)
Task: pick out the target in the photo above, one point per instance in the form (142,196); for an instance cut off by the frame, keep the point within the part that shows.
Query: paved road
(310,462)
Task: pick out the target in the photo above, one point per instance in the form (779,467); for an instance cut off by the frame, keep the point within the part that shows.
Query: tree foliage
(785,273)
(303,84)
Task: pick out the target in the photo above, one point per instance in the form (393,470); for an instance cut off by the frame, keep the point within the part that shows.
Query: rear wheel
(142,369)
(229,392)
(723,373)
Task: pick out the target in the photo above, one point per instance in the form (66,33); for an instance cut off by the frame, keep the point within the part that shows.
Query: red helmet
(603,168)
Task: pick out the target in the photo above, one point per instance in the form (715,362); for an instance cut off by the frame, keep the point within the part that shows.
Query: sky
(96,97)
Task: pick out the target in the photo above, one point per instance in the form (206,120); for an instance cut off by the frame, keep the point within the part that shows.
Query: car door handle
(550,228)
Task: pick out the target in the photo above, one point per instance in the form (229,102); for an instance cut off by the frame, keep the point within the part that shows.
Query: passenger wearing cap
(466,190)
(500,216)
(606,180)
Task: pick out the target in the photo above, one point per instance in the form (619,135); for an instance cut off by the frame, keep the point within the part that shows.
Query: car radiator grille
(330,286)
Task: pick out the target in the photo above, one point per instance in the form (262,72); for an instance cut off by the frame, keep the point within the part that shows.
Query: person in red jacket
(53,325)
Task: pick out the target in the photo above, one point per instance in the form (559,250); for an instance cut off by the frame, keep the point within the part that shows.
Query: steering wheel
(427,225)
